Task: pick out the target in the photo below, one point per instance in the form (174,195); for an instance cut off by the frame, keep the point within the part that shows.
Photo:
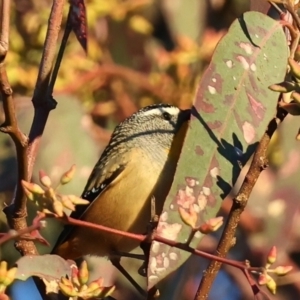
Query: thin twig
(61,51)
(259,163)
(42,99)
(290,8)
(14,235)
(141,238)
(38,224)
(279,10)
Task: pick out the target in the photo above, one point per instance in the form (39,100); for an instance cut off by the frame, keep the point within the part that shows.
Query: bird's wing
(103,174)
(97,183)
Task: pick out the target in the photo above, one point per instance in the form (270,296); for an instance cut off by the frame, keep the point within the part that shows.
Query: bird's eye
(167,116)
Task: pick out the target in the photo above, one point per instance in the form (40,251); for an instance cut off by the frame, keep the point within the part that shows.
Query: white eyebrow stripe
(158,111)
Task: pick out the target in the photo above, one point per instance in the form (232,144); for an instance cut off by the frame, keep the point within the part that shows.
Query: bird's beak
(185,115)
(184,120)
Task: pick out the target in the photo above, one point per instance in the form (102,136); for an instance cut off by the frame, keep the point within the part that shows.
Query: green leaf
(50,267)
(232,109)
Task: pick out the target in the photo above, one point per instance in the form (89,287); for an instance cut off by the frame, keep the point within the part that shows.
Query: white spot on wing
(94,190)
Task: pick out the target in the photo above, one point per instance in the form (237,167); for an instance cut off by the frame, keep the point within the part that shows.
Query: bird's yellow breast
(125,204)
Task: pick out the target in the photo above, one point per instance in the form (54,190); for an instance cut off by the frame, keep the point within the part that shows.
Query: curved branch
(259,163)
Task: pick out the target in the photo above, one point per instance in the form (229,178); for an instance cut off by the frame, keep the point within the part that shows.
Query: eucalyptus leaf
(232,109)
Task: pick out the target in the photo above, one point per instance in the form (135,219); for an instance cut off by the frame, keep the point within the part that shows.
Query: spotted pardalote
(138,163)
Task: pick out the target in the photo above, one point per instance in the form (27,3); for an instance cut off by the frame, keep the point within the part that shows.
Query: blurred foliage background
(149,50)
(142,52)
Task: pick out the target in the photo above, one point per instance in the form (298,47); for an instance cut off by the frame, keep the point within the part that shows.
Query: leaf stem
(276,7)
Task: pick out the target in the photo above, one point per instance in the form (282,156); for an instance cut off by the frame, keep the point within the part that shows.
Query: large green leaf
(232,109)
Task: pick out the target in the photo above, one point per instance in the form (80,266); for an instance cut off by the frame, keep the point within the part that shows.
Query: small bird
(138,163)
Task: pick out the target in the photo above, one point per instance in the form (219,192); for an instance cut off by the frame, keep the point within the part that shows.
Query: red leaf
(79,22)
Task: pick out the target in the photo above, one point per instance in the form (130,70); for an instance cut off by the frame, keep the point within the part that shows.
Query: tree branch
(16,213)
(39,223)
(42,97)
(10,125)
(259,163)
